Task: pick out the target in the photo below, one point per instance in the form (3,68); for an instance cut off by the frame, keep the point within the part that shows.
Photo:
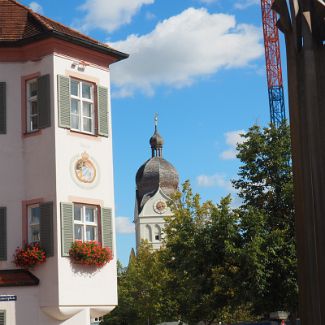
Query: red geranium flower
(90,253)
(29,256)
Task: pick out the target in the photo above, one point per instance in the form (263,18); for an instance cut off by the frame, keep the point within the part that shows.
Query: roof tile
(19,23)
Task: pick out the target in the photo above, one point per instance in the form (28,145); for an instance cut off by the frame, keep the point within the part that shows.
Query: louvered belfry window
(83,106)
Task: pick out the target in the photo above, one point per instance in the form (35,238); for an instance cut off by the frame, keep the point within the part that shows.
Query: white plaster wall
(11,159)
(148,216)
(26,309)
(40,167)
(39,180)
(10,311)
(148,210)
(28,169)
(80,285)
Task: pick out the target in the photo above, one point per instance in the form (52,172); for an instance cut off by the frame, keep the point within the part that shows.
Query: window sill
(31,133)
(92,135)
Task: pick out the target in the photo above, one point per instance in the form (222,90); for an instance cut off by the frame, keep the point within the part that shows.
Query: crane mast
(273,63)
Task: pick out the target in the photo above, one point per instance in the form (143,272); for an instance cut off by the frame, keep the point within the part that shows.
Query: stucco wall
(148,217)
(77,285)
(28,168)
(41,166)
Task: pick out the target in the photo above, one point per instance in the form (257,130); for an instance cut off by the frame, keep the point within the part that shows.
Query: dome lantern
(156,141)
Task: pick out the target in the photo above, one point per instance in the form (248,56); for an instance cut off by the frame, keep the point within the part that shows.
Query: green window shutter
(3,234)
(66,227)
(2,317)
(64,101)
(107,229)
(46,228)
(44,101)
(3,108)
(102,106)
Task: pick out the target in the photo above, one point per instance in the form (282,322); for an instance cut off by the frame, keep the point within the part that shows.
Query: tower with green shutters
(56,171)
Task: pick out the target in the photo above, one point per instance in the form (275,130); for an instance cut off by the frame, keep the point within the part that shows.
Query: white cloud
(184,48)
(216,180)
(243,4)
(235,137)
(36,7)
(109,15)
(150,16)
(232,139)
(124,225)
(228,154)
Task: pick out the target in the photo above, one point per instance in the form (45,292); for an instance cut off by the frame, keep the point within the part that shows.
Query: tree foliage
(202,253)
(220,264)
(267,219)
(143,298)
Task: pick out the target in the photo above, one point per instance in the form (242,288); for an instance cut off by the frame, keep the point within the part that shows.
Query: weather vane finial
(156,120)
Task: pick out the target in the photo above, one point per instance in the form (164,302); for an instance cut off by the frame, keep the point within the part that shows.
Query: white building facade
(57,171)
(156,181)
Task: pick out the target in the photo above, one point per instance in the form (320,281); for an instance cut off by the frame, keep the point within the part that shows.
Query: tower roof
(156,173)
(156,141)
(20,25)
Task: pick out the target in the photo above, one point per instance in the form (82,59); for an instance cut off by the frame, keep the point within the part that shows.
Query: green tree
(143,298)
(219,263)
(267,219)
(202,254)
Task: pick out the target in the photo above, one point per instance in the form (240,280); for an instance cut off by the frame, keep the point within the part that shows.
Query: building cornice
(23,51)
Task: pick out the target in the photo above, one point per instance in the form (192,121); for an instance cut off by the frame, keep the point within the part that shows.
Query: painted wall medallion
(85,170)
(160,206)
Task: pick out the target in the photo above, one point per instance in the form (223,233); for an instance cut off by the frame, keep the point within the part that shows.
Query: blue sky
(199,64)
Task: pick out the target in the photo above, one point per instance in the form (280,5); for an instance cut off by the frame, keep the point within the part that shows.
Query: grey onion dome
(156,141)
(155,173)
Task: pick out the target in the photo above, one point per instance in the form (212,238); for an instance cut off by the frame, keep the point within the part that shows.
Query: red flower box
(90,253)
(29,256)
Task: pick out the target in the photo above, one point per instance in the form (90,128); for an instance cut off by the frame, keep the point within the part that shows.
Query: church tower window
(157,233)
(148,233)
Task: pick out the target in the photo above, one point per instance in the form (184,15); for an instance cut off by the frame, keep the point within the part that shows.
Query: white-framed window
(34,215)
(85,222)
(32,107)
(82,106)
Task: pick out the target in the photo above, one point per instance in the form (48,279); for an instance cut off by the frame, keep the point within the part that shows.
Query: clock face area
(160,206)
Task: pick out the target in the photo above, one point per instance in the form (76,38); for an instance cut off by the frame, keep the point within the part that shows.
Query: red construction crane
(273,63)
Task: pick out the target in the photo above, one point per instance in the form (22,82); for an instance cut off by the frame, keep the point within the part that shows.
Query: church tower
(156,180)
